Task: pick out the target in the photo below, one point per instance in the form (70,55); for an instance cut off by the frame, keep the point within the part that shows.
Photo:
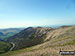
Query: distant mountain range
(5,33)
(1,34)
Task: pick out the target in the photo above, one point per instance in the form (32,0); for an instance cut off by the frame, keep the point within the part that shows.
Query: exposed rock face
(29,37)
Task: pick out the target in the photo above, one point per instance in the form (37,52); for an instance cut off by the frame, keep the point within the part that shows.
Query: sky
(25,13)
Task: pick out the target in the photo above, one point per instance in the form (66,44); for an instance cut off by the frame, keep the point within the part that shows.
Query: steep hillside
(60,37)
(56,39)
(29,37)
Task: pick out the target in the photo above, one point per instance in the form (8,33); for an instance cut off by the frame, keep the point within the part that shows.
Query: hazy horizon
(26,13)
(53,26)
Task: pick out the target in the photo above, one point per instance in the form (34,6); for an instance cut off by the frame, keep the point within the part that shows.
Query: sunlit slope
(63,38)
(29,37)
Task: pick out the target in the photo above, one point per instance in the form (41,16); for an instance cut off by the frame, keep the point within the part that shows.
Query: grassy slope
(65,41)
(41,51)
(4,47)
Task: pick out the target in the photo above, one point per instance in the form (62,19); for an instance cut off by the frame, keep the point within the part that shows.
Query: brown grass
(50,51)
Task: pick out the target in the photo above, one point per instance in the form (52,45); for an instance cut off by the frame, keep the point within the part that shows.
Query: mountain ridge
(33,41)
(28,35)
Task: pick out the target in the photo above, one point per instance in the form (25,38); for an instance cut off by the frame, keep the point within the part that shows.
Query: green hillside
(4,47)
